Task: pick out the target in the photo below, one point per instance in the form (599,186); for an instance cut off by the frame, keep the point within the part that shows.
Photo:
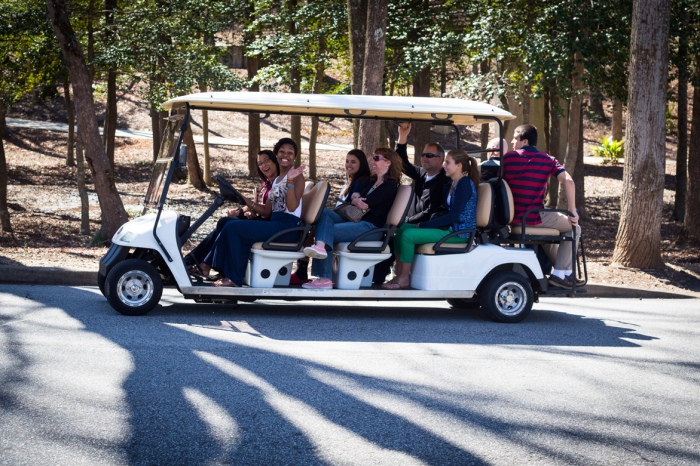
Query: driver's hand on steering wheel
(233,212)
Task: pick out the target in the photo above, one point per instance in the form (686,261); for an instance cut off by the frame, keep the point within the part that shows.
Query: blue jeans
(232,247)
(332,228)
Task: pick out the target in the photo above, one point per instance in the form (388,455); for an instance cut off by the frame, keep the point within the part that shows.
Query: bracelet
(290,187)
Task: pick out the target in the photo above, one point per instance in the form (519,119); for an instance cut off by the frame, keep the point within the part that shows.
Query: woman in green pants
(459,199)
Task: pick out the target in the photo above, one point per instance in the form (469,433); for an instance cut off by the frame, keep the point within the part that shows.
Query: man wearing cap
(429,177)
(527,170)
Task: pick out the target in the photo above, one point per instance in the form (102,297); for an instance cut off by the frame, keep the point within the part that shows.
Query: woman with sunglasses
(376,195)
(460,204)
(232,247)
(268,168)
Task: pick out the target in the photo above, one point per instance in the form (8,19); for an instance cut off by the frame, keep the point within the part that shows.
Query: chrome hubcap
(134,288)
(511,298)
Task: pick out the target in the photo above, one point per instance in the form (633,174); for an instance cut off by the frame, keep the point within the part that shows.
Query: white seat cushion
(428,248)
(535,231)
(343,247)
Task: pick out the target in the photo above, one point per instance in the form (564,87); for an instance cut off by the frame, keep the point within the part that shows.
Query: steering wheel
(227,191)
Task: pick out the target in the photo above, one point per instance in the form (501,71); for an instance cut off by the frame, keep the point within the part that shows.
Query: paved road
(580,381)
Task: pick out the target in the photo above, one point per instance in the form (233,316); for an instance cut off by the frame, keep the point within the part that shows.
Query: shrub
(610,150)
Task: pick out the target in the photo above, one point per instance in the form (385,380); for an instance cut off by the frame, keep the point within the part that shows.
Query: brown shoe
(579,282)
(560,282)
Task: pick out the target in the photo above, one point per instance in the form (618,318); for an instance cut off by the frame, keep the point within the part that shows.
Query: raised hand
(294,172)
(404,129)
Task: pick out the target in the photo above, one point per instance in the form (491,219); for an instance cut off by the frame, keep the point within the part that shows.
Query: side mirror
(183,155)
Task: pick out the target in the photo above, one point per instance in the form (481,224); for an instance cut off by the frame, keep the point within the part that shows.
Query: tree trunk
(155,129)
(5,224)
(253,121)
(205,137)
(595,103)
(194,173)
(82,190)
(554,136)
(690,233)
(617,120)
(318,82)
(295,86)
(113,213)
(70,157)
(579,178)
(421,129)
(682,150)
(110,126)
(638,241)
(91,40)
(373,71)
(575,123)
(357,25)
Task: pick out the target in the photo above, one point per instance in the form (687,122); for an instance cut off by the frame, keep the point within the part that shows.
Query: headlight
(127,237)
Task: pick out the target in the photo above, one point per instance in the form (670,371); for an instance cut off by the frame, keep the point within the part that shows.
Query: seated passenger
(268,169)
(376,194)
(489,168)
(232,247)
(527,170)
(356,172)
(460,204)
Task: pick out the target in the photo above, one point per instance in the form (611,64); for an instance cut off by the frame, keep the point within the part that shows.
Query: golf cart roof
(458,111)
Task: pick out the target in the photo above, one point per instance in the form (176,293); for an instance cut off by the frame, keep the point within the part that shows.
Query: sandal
(394,284)
(225,282)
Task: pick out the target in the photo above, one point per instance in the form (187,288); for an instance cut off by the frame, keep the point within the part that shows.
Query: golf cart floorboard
(297,292)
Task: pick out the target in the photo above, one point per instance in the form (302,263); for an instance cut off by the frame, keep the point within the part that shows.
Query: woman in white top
(232,248)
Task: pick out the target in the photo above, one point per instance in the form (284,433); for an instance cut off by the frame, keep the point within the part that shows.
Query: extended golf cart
(498,269)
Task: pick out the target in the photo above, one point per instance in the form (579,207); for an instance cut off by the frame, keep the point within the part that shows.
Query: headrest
(484,205)
(402,202)
(313,202)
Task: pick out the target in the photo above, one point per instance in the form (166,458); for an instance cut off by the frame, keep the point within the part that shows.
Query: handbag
(350,212)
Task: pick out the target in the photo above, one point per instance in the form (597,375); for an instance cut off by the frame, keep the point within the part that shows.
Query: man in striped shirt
(527,170)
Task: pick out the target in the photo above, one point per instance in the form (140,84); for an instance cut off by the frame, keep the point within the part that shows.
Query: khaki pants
(559,255)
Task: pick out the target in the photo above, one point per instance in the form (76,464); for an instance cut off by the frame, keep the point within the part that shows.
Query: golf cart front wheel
(133,287)
(507,297)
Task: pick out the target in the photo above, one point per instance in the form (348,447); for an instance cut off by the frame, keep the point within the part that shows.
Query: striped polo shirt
(527,171)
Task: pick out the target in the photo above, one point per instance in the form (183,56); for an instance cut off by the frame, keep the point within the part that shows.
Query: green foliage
(611,151)
(270,39)
(29,55)
(670,118)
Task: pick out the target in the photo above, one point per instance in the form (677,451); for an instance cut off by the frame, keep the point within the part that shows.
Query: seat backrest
(399,209)
(484,205)
(313,202)
(503,209)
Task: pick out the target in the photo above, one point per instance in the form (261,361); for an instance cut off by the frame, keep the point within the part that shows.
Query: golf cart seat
(271,261)
(353,262)
(484,218)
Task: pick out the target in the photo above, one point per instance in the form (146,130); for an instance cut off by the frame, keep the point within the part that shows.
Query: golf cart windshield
(171,139)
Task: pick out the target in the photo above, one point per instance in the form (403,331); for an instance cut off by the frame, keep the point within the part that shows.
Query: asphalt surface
(580,381)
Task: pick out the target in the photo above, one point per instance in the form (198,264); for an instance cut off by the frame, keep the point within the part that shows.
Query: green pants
(408,236)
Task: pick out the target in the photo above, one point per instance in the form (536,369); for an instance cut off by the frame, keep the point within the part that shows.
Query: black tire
(465,304)
(506,297)
(101,282)
(133,287)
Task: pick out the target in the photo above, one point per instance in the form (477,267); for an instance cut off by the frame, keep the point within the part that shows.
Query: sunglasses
(428,155)
(260,164)
(377,158)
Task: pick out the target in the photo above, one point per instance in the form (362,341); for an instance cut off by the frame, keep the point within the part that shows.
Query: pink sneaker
(315,252)
(319,284)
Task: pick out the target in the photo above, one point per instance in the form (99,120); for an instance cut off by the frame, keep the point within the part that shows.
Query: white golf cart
(497,270)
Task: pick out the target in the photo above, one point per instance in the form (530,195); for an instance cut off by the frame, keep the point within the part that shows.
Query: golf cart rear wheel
(507,297)
(133,287)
